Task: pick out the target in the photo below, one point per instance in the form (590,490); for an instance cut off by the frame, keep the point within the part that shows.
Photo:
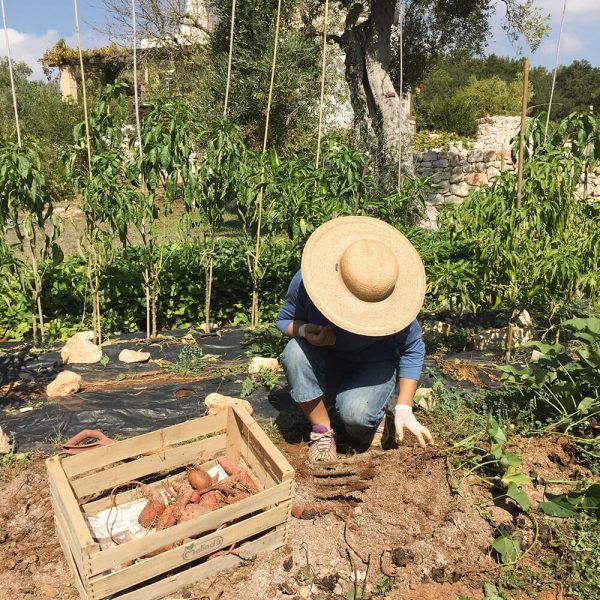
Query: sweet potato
(183,499)
(193,511)
(167,519)
(211,499)
(199,480)
(238,474)
(153,509)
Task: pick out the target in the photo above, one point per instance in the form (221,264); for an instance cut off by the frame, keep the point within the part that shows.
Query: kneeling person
(350,313)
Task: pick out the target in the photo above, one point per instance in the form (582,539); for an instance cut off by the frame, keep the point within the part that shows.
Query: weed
(385,585)
(272,430)
(264,341)
(57,438)
(191,361)
(265,378)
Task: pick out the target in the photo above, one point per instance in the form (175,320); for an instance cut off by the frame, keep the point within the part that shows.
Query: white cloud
(577,10)
(569,44)
(29,47)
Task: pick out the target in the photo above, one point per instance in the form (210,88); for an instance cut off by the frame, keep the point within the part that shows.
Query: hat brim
(326,288)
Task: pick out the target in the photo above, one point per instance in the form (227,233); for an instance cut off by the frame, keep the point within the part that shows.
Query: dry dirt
(391,511)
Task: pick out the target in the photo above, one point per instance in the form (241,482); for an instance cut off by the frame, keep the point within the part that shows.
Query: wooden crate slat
(155,463)
(280,464)
(219,540)
(75,552)
(63,493)
(111,557)
(170,584)
(70,561)
(147,442)
(265,476)
(94,507)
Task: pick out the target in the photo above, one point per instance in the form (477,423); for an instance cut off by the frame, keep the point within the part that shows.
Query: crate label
(191,551)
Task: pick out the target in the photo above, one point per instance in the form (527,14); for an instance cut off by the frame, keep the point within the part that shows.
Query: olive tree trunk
(375,100)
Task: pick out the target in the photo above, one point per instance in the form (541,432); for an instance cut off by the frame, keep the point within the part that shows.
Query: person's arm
(411,350)
(292,318)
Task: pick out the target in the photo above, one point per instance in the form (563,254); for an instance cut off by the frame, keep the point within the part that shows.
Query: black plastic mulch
(146,405)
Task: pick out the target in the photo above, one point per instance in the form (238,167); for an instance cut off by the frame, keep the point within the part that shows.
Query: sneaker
(378,437)
(322,446)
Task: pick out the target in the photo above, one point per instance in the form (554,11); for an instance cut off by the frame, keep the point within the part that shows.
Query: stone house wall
(457,170)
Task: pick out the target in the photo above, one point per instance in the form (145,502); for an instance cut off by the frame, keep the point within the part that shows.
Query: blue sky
(35,25)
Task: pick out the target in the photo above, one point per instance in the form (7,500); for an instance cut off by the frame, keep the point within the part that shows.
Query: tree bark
(376,102)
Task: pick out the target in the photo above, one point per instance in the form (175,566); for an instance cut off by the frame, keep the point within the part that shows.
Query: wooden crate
(81,485)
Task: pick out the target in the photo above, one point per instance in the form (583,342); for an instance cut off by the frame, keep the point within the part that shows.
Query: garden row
(487,255)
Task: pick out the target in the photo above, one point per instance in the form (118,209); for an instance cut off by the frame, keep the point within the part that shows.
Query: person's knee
(300,355)
(357,417)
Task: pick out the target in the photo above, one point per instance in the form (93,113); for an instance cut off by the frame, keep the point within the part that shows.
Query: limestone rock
(536,355)
(424,398)
(494,340)
(456,178)
(217,403)
(476,179)
(258,363)
(439,327)
(460,189)
(5,445)
(65,384)
(133,356)
(80,349)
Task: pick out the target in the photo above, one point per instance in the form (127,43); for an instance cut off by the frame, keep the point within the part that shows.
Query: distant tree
(43,116)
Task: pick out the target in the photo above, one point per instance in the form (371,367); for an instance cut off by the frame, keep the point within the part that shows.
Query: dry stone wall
(457,170)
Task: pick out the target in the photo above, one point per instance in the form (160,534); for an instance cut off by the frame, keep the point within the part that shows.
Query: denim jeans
(362,389)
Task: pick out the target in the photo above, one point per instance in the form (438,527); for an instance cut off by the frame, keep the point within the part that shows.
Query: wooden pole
(230,58)
(522,136)
(400,94)
(12,77)
(562,22)
(322,97)
(84,88)
(254,308)
(139,141)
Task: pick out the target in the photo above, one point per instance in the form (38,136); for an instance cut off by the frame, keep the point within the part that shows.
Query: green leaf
(490,592)
(247,387)
(513,476)
(510,459)
(555,508)
(508,549)
(104,360)
(519,496)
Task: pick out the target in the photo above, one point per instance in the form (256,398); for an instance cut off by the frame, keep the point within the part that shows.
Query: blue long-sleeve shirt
(406,346)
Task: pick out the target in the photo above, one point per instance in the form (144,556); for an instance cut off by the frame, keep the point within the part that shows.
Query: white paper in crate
(125,516)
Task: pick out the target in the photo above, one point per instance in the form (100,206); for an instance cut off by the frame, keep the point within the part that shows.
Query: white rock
(258,363)
(133,356)
(217,403)
(5,445)
(304,592)
(524,319)
(536,355)
(65,384)
(424,397)
(80,349)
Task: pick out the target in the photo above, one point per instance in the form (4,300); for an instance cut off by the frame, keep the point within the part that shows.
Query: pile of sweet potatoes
(192,497)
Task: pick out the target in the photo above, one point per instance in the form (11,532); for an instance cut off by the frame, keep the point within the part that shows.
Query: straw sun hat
(363,275)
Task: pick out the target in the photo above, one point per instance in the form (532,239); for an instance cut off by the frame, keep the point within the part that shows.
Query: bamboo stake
(510,328)
(522,133)
(562,22)
(230,58)
(84,88)
(401,96)
(254,309)
(12,77)
(94,278)
(322,97)
(142,185)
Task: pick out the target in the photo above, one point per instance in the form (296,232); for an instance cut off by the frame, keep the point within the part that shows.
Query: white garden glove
(404,418)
